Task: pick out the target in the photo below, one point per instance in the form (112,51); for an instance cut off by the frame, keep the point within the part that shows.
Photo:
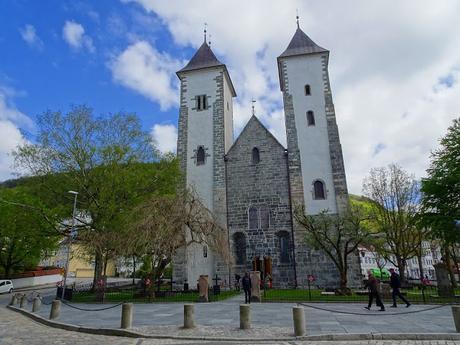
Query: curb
(320,337)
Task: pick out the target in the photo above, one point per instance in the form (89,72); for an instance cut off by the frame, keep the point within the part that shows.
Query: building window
(264,217)
(307,90)
(200,156)
(228,106)
(318,190)
(205,252)
(239,240)
(284,246)
(201,102)
(255,155)
(310,118)
(253,217)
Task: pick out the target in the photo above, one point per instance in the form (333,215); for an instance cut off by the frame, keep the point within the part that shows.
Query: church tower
(315,162)
(205,133)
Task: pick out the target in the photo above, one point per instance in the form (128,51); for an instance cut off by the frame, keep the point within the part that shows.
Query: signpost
(311,278)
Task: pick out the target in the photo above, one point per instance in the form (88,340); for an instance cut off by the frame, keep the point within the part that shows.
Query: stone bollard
(456,315)
(55,309)
(189,316)
(37,304)
(299,321)
(126,315)
(23,303)
(245,316)
(14,300)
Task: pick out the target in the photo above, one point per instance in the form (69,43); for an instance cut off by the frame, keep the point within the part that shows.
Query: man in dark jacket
(372,285)
(395,283)
(246,282)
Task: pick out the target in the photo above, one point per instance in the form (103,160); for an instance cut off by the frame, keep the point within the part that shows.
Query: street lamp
(69,243)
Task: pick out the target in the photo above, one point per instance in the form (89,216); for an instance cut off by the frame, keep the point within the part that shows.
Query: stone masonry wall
(264,184)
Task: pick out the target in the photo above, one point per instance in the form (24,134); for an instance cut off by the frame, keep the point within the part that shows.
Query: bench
(328,293)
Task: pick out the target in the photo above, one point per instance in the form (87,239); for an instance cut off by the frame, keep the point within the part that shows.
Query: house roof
(301,44)
(205,58)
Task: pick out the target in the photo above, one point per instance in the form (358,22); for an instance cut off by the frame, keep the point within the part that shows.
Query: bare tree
(337,236)
(395,203)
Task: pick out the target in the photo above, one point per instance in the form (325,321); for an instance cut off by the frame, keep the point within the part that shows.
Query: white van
(6,286)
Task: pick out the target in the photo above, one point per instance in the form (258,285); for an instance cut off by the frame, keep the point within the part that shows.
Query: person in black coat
(395,283)
(246,282)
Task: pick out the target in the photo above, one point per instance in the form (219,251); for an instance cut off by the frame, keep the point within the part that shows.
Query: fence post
(299,321)
(55,309)
(36,305)
(126,315)
(23,303)
(14,300)
(245,316)
(456,315)
(189,316)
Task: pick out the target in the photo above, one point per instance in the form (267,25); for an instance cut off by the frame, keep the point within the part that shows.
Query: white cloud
(142,68)
(74,34)
(165,137)
(30,36)
(385,69)
(11,119)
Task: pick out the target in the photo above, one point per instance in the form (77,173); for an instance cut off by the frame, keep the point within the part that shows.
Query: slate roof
(301,44)
(203,58)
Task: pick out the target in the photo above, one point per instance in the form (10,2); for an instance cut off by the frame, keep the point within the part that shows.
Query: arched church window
(284,247)
(307,90)
(255,155)
(239,241)
(264,217)
(310,118)
(253,217)
(200,155)
(319,190)
(205,251)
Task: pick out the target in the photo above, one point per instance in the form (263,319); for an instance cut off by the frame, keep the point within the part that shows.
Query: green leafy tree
(25,232)
(109,161)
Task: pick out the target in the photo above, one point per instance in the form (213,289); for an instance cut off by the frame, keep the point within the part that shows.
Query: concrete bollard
(126,315)
(456,315)
(299,321)
(14,300)
(245,316)
(55,309)
(23,303)
(37,304)
(189,315)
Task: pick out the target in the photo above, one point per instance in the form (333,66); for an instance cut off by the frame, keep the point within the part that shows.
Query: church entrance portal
(263,265)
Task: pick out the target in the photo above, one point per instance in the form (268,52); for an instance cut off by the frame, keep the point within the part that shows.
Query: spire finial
(297,18)
(205,27)
(253,101)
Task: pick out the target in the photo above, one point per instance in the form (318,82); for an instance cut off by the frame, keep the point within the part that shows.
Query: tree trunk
(343,279)
(134,269)
(454,256)
(97,269)
(420,265)
(449,267)
(402,268)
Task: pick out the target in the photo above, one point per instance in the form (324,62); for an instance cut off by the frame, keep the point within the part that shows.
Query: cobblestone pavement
(18,330)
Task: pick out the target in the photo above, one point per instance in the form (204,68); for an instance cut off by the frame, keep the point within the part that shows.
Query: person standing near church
(372,285)
(246,282)
(395,283)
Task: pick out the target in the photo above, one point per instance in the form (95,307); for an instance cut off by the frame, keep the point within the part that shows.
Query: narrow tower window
(283,237)
(310,118)
(253,217)
(200,155)
(318,190)
(307,90)
(239,240)
(264,217)
(255,155)
(201,102)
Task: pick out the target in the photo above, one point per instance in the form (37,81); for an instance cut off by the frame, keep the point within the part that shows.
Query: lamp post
(69,243)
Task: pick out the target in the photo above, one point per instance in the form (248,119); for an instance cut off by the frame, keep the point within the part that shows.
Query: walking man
(246,282)
(395,283)
(372,285)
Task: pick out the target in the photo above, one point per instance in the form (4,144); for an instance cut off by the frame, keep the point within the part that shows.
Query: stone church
(253,184)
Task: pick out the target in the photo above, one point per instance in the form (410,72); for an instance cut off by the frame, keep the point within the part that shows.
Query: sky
(394,67)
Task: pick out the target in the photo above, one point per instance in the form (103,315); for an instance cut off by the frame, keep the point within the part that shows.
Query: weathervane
(253,101)
(297,18)
(205,26)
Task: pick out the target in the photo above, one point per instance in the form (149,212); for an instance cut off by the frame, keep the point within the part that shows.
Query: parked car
(6,286)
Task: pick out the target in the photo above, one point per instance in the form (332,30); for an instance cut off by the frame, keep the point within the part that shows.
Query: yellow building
(81,264)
